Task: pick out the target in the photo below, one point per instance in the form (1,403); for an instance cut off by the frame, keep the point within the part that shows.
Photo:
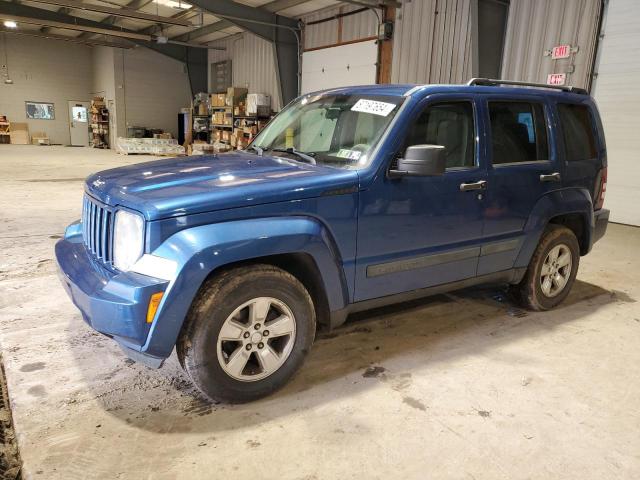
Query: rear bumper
(113,303)
(601,221)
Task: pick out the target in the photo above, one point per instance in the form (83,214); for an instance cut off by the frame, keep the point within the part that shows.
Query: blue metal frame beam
(282,32)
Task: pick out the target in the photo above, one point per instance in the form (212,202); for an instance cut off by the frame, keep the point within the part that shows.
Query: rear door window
(518,132)
(577,132)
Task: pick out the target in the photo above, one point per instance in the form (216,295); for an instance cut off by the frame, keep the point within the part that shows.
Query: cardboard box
(233,141)
(203,109)
(19,133)
(253,130)
(235,95)
(218,118)
(226,136)
(258,103)
(218,99)
(40,138)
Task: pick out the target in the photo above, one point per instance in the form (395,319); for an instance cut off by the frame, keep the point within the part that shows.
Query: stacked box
(218,99)
(236,95)
(258,104)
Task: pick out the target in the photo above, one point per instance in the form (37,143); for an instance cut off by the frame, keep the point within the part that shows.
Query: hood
(186,185)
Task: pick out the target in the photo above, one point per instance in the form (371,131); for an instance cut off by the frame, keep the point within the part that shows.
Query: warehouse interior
(459,385)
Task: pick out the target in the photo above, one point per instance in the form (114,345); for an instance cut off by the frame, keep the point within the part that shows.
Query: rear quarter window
(578,132)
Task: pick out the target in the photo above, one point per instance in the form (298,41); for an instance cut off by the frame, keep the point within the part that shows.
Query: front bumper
(113,303)
(601,220)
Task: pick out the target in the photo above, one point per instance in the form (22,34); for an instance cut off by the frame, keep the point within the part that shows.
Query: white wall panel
(46,71)
(253,64)
(432,42)
(618,97)
(536,26)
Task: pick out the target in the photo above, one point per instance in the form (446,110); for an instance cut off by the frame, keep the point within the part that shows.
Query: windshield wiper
(293,151)
(259,150)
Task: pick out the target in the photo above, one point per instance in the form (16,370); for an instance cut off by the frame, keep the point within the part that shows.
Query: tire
(237,300)
(532,292)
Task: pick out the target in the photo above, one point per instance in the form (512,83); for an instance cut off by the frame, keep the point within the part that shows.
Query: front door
(79,123)
(416,232)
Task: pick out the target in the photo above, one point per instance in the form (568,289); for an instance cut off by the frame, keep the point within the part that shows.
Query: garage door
(352,64)
(616,91)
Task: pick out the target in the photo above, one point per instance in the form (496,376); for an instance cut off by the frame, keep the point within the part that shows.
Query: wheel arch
(571,207)
(301,246)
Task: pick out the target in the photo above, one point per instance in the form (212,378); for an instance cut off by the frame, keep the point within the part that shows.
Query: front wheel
(247,333)
(552,270)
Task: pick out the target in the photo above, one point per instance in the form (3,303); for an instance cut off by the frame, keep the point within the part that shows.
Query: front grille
(97,229)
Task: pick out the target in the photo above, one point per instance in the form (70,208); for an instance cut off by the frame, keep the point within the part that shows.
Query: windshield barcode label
(372,106)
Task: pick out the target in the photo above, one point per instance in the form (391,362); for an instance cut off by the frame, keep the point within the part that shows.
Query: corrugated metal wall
(536,26)
(354,27)
(432,42)
(253,64)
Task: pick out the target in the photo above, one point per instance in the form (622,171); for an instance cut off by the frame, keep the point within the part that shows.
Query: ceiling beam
(375,3)
(81,28)
(112,19)
(49,36)
(202,31)
(222,24)
(118,12)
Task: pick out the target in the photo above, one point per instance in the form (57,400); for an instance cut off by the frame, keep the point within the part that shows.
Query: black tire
(529,291)
(197,347)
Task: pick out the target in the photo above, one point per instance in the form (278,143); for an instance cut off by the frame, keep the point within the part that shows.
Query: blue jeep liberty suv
(349,199)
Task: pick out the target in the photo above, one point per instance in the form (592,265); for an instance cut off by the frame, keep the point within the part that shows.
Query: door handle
(553,177)
(479,185)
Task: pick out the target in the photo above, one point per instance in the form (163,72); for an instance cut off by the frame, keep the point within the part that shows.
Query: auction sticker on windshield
(350,154)
(373,106)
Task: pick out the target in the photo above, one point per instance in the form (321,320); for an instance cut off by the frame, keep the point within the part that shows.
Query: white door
(79,123)
(616,92)
(352,64)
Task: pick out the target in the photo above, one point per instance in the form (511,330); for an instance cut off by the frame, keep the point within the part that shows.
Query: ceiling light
(10,24)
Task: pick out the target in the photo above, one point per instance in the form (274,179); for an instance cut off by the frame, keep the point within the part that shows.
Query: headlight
(128,239)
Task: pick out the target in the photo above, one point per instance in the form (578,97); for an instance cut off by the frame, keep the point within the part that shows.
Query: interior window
(577,131)
(518,132)
(449,125)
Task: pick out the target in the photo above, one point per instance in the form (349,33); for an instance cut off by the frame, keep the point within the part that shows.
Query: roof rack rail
(494,82)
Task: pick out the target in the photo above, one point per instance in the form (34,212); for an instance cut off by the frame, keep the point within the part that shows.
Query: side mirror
(421,161)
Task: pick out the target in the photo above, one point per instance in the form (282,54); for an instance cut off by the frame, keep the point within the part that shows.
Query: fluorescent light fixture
(10,24)
(177,4)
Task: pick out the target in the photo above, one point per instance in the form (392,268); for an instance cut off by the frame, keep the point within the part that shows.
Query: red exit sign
(561,51)
(556,78)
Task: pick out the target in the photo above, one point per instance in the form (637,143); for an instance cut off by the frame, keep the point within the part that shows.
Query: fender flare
(199,251)
(555,203)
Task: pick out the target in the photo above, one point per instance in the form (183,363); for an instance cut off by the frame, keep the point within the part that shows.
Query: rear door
(523,166)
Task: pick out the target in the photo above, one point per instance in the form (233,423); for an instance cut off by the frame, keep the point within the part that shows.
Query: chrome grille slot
(97,225)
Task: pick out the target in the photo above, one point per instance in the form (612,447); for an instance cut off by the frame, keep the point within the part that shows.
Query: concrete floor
(464,386)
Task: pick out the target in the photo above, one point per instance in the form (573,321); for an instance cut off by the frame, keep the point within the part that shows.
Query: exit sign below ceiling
(561,51)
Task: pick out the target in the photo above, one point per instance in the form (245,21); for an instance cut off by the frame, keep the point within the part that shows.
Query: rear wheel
(247,333)
(552,270)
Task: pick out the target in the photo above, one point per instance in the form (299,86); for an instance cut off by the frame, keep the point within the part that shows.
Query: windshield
(341,130)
